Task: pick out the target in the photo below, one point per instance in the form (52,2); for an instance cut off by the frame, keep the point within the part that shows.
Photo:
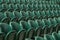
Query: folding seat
(37,14)
(40,30)
(31,15)
(48,37)
(17,7)
(47,14)
(35,7)
(59,33)
(2,1)
(28,39)
(56,36)
(3,7)
(40,7)
(22,7)
(58,24)
(9,32)
(11,7)
(20,35)
(38,27)
(39,38)
(10,15)
(56,14)
(44,7)
(51,7)
(26,15)
(10,1)
(1,16)
(1,34)
(51,14)
(54,25)
(30,6)
(29,29)
(48,26)
(48,6)
(43,14)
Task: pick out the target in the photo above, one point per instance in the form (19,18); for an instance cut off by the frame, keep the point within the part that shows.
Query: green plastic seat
(20,35)
(43,23)
(31,15)
(48,37)
(47,14)
(23,15)
(18,16)
(28,39)
(26,15)
(4,7)
(28,28)
(48,6)
(9,33)
(10,15)
(35,7)
(59,12)
(37,14)
(55,36)
(38,28)
(10,1)
(17,7)
(56,14)
(17,1)
(48,23)
(59,32)
(1,16)
(54,22)
(47,27)
(30,6)
(58,20)
(43,15)
(51,14)
(22,7)
(1,34)
(33,24)
(39,38)
(40,7)
(11,7)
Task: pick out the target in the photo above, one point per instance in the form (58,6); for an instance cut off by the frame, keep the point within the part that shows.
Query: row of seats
(53,36)
(26,1)
(28,29)
(18,7)
(17,16)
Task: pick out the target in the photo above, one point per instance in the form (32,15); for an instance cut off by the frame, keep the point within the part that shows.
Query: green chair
(43,15)
(56,36)
(48,37)
(20,35)
(39,38)
(28,39)
(28,28)
(37,14)
(31,15)
(38,27)
(11,7)
(9,33)
(51,14)
(17,7)
(1,34)
(10,15)
(47,14)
